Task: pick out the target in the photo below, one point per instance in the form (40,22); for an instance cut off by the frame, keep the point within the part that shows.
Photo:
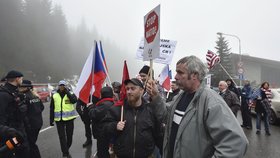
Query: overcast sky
(192,23)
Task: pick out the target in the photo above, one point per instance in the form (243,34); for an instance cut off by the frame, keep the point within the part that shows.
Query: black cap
(134,81)
(14,74)
(26,83)
(145,69)
(106,92)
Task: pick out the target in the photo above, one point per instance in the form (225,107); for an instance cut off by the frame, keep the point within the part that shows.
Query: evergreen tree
(217,72)
(10,34)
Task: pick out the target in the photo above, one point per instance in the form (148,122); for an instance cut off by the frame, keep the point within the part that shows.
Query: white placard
(152,34)
(167,48)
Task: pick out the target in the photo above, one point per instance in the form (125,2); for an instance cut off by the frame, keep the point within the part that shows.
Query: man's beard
(133,99)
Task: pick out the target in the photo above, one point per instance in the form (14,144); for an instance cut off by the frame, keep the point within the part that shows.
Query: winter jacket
(259,95)
(11,107)
(138,138)
(207,129)
(232,101)
(12,110)
(97,113)
(34,110)
(246,93)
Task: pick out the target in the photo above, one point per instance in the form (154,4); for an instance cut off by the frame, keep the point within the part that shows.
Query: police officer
(12,109)
(33,119)
(62,111)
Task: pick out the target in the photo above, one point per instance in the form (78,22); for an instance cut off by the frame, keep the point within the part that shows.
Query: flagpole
(227,73)
(92,72)
(151,69)
(122,113)
(167,94)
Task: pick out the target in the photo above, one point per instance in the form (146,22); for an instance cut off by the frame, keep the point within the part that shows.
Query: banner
(167,48)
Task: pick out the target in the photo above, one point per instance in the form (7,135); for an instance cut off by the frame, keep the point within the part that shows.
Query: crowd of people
(191,121)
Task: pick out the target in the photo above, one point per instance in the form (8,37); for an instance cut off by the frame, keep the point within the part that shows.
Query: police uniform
(12,114)
(62,111)
(34,118)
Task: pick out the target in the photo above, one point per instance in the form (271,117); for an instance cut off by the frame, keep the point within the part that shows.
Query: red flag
(92,75)
(123,90)
(212,59)
(164,78)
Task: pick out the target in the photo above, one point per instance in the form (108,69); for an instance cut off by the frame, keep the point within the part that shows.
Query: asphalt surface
(48,140)
(261,146)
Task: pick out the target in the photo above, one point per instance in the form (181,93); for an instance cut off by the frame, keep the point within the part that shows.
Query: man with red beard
(135,134)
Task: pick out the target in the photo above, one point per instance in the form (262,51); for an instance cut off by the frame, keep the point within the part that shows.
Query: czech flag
(92,76)
(164,78)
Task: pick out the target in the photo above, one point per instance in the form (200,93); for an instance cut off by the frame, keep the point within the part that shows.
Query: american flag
(212,59)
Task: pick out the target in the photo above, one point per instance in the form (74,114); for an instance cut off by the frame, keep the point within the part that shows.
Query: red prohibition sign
(151,27)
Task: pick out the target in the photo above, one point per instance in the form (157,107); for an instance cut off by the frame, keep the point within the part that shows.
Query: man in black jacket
(230,97)
(232,87)
(12,110)
(135,135)
(97,113)
(33,119)
(83,110)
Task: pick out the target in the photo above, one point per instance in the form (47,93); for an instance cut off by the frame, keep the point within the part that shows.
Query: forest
(36,40)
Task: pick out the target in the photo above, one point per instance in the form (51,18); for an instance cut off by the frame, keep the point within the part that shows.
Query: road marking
(43,130)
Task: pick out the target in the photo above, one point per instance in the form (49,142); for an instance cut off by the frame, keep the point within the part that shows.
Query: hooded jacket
(98,111)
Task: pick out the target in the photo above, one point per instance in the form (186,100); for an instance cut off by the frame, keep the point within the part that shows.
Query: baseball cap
(134,81)
(26,83)
(62,82)
(14,74)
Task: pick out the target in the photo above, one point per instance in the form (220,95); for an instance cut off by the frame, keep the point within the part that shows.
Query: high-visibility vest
(63,109)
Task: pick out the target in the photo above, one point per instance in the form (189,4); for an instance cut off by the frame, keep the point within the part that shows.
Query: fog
(36,40)
(50,40)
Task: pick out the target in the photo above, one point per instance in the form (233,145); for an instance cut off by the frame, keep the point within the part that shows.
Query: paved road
(48,140)
(261,146)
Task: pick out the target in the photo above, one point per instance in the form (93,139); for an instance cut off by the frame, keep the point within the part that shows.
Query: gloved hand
(11,133)
(90,106)
(66,89)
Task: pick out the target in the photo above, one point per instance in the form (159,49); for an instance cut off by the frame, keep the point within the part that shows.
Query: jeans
(266,121)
